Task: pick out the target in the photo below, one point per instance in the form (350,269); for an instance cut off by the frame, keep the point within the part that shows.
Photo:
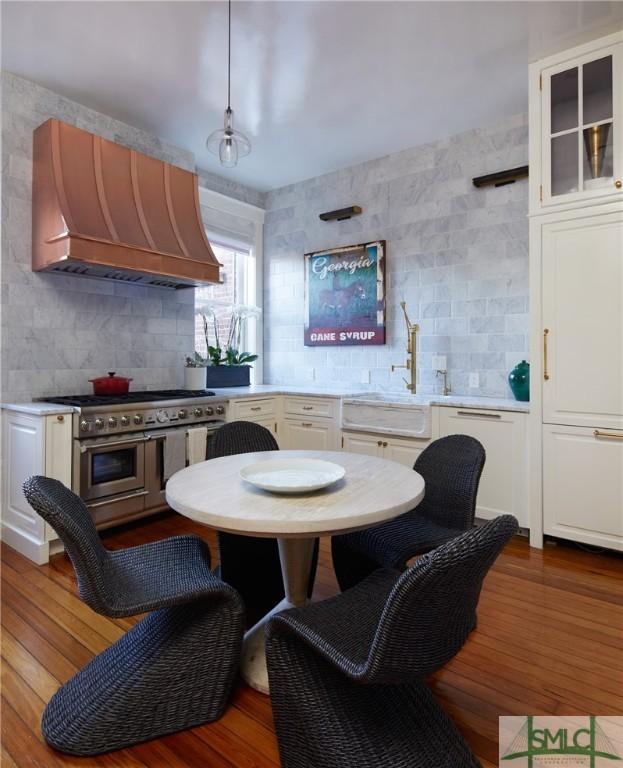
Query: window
(236,261)
(235,231)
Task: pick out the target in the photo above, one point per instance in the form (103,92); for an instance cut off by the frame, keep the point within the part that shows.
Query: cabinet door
(583,321)
(582,487)
(271,425)
(581,127)
(368,445)
(58,455)
(307,435)
(503,483)
(24,455)
(403,451)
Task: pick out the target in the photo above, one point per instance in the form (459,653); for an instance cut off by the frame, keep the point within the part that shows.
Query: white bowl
(292,475)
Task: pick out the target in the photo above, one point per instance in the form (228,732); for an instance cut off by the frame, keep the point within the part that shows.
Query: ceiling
(316,85)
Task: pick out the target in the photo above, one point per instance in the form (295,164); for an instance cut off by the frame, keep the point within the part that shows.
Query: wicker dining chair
(347,675)
(173,670)
(249,563)
(451,468)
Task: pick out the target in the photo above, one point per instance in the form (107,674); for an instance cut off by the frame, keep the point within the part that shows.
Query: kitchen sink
(405,415)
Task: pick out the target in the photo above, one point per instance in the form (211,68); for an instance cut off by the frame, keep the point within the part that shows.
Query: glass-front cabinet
(582,131)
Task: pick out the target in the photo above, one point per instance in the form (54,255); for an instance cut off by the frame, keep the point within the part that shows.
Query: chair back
(241,437)
(70,518)
(432,607)
(451,467)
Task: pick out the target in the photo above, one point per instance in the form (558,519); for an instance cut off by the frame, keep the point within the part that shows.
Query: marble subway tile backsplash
(58,331)
(456,254)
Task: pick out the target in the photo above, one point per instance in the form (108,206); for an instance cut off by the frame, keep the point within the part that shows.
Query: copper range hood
(102,210)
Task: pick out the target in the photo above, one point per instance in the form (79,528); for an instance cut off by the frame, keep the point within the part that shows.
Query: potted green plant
(227,365)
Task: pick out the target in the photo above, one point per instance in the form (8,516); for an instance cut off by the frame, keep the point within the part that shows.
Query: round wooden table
(213,493)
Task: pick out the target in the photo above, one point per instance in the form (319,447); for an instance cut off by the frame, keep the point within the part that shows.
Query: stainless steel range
(124,446)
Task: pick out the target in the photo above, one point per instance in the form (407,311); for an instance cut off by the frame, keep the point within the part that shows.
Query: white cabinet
(368,445)
(270,423)
(309,423)
(308,435)
(583,485)
(503,484)
(402,450)
(252,409)
(582,266)
(263,411)
(318,407)
(576,125)
(576,293)
(32,445)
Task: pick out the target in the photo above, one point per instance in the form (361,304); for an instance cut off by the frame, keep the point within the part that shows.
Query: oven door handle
(114,501)
(113,444)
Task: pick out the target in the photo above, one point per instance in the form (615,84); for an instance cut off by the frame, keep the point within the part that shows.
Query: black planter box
(228,376)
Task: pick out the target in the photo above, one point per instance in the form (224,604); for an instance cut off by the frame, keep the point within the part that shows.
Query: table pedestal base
(296,559)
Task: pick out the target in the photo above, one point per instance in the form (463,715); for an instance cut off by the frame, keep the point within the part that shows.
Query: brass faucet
(412,329)
(444,373)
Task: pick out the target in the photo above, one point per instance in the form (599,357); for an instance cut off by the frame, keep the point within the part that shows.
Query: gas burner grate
(131,397)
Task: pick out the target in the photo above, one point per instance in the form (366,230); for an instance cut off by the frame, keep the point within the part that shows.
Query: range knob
(182,413)
(99,423)
(198,411)
(220,410)
(85,426)
(162,416)
(124,421)
(138,419)
(112,421)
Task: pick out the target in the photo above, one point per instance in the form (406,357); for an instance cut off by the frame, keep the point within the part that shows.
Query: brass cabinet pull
(256,407)
(308,407)
(618,183)
(609,435)
(306,424)
(379,443)
(545,371)
(61,419)
(479,413)
(384,444)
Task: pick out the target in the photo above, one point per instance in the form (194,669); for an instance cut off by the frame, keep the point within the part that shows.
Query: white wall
(58,331)
(456,254)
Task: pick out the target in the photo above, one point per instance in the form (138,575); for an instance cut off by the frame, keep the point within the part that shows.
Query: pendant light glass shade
(227,143)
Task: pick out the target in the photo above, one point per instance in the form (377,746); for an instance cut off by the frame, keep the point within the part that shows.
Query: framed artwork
(345,296)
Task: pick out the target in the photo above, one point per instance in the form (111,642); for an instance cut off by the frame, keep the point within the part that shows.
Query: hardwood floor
(549,640)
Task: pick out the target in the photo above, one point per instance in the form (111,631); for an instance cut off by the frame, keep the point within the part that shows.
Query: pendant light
(226,142)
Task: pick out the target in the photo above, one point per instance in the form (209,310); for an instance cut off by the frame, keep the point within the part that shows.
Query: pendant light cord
(229,56)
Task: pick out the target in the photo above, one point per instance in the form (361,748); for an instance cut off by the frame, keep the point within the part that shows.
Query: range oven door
(154,463)
(112,466)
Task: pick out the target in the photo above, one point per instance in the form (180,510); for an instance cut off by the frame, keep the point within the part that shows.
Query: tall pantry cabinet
(576,294)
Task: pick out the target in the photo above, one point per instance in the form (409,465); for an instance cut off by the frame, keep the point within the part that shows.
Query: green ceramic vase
(519,380)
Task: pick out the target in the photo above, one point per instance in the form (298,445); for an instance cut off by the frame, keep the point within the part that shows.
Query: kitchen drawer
(503,483)
(251,410)
(318,407)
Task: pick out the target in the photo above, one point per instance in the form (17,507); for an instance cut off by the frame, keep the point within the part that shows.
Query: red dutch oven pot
(110,385)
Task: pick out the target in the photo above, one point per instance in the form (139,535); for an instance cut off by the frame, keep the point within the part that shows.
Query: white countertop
(264,390)
(453,401)
(39,409)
